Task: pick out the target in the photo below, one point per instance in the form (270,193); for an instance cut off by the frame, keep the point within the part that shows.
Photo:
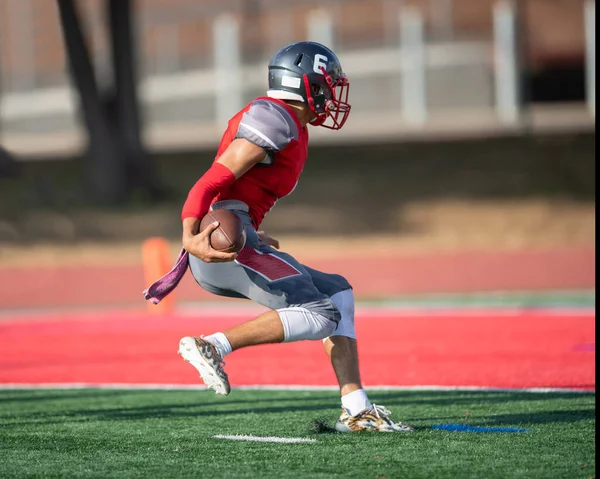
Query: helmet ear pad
(319,92)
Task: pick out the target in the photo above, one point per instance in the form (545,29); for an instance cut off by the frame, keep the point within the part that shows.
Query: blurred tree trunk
(8,165)
(125,111)
(105,174)
(116,162)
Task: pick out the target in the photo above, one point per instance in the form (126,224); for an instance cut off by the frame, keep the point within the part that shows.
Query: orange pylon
(156,263)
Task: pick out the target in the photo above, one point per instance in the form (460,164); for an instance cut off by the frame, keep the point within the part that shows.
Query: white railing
(410,66)
(228,81)
(413,67)
(506,62)
(590,42)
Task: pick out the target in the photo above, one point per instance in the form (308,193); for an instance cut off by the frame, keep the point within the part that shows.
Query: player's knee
(344,300)
(326,329)
(312,321)
(341,283)
(326,308)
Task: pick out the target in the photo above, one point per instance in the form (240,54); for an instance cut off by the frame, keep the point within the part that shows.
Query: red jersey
(274,126)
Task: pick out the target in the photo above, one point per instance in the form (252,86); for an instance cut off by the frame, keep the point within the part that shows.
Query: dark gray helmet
(311,73)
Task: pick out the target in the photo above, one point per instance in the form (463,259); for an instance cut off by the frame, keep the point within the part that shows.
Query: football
(230,236)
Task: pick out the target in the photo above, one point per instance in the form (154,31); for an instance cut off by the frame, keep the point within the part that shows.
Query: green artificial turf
(156,434)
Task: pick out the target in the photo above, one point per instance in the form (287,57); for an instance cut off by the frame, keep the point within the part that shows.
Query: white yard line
(365,313)
(285,440)
(268,387)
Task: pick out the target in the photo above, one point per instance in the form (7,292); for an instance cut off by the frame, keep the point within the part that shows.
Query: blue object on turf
(465,428)
(585,347)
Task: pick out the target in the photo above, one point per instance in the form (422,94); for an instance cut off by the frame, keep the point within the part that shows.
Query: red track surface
(492,350)
(396,275)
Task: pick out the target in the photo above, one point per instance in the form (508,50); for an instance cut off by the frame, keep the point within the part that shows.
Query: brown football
(230,236)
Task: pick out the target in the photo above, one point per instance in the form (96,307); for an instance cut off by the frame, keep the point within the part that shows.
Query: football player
(259,160)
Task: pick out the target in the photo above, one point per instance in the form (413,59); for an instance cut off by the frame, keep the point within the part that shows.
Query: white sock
(219,341)
(356,401)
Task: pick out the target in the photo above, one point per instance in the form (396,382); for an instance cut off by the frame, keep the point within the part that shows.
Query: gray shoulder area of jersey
(268,125)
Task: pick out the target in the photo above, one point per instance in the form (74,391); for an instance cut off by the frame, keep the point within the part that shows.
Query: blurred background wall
(446,67)
(473,122)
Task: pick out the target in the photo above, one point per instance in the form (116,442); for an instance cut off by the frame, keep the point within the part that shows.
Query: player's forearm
(191,227)
(200,197)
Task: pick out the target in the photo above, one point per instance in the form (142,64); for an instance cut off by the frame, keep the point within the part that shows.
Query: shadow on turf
(16,395)
(321,426)
(545,417)
(449,398)
(222,407)
(168,411)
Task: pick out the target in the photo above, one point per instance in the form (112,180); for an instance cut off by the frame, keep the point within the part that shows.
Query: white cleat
(375,419)
(204,357)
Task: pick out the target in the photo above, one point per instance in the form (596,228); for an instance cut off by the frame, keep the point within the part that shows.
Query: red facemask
(337,107)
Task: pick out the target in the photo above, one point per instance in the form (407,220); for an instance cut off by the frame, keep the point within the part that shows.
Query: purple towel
(162,287)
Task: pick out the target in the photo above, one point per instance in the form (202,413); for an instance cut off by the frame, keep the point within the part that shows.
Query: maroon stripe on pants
(267,265)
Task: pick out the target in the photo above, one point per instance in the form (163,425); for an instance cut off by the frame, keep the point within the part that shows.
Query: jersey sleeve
(267,125)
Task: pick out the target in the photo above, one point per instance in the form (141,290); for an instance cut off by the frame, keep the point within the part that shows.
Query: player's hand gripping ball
(230,235)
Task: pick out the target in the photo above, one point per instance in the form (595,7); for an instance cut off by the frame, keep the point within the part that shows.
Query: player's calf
(311,321)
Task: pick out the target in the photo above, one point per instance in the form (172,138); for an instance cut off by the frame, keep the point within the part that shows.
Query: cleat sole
(189,352)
